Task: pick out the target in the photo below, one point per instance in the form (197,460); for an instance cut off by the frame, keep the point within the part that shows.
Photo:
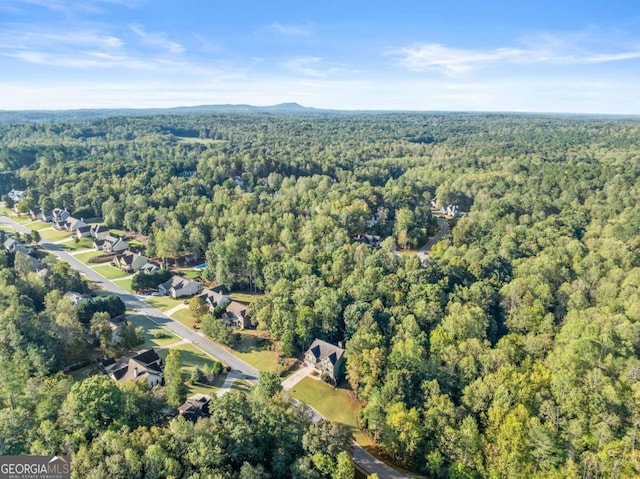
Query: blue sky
(548,56)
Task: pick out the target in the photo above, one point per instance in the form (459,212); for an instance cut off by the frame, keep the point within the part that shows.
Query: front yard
(336,405)
(109,271)
(54,235)
(257,351)
(85,257)
(150,331)
(163,303)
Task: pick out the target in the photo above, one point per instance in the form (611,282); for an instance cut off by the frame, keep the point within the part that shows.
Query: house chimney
(136,373)
(340,345)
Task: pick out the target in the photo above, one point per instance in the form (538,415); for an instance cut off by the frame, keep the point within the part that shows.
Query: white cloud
(290,29)
(309,66)
(157,40)
(545,49)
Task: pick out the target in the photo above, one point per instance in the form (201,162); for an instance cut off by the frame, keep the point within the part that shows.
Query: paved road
(133,302)
(238,367)
(444,229)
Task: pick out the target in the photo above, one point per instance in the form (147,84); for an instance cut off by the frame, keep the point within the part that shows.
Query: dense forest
(510,351)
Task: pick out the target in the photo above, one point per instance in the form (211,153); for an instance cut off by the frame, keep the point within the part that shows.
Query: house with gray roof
(144,366)
(178,287)
(326,358)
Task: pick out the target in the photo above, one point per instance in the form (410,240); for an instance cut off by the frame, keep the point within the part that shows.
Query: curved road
(444,229)
(360,456)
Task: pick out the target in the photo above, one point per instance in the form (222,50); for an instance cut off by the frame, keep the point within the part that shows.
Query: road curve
(444,229)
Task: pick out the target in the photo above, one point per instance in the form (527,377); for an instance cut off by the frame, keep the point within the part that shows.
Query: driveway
(295,378)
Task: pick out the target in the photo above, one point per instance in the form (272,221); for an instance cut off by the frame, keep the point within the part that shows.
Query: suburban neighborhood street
(239,368)
(137,305)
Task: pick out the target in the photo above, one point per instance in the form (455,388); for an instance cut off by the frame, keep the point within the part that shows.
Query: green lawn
(54,235)
(85,372)
(252,350)
(124,284)
(335,404)
(184,316)
(85,257)
(21,219)
(246,297)
(242,386)
(163,303)
(190,356)
(71,245)
(190,273)
(109,271)
(150,328)
(39,225)
(117,232)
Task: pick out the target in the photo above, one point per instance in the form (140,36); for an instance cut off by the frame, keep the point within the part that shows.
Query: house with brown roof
(326,358)
(144,366)
(195,407)
(236,315)
(214,298)
(131,262)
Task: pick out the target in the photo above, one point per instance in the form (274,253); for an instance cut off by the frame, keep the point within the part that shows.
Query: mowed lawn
(246,297)
(109,271)
(38,225)
(124,283)
(162,303)
(150,329)
(185,317)
(335,404)
(72,245)
(252,349)
(85,257)
(54,235)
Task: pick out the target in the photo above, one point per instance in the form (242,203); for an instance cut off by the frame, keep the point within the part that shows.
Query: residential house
(12,245)
(35,213)
(326,358)
(178,287)
(83,232)
(145,366)
(195,407)
(75,298)
(130,261)
(150,267)
(213,298)
(36,264)
(99,232)
(46,216)
(16,195)
(111,244)
(236,315)
(59,216)
(72,224)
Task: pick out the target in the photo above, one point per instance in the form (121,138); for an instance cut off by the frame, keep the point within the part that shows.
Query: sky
(543,56)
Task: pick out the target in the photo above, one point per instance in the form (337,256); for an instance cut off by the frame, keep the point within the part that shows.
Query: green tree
(176,390)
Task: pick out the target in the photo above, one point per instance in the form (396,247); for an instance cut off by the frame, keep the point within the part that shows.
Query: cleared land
(150,330)
(162,303)
(109,271)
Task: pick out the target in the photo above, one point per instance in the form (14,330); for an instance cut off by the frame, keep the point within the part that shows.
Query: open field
(335,404)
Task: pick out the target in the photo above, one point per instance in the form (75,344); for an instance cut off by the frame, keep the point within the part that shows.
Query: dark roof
(84,229)
(323,350)
(222,289)
(147,357)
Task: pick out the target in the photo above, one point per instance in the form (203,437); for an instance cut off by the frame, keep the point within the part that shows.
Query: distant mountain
(86,114)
